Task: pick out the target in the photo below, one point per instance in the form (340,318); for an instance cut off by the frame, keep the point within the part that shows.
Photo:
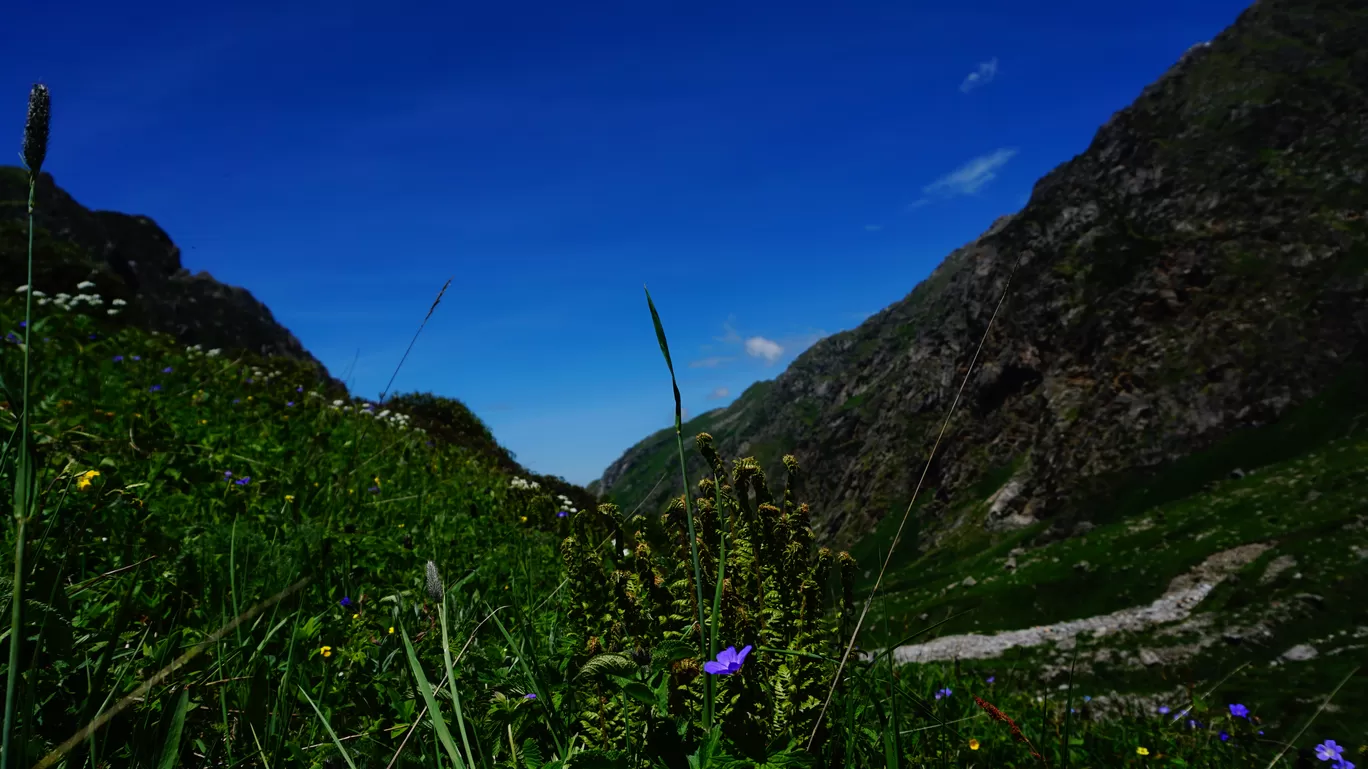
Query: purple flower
(1163,710)
(289,403)
(1330,751)
(118,359)
(249,380)
(529,696)
(244,480)
(374,489)
(154,388)
(1087,698)
(1343,763)
(1224,736)
(346,602)
(991,679)
(137,357)
(946,692)
(562,514)
(166,370)
(23,324)
(1194,724)
(227,474)
(237,401)
(1239,711)
(299,389)
(728,661)
(93,336)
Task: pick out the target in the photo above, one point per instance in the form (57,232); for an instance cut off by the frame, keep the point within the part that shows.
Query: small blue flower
(1239,711)
(166,370)
(155,388)
(991,679)
(562,514)
(346,602)
(1330,751)
(249,380)
(288,404)
(946,692)
(1163,710)
(1087,698)
(728,661)
(299,389)
(118,359)
(244,480)
(137,357)
(227,474)
(529,696)
(23,324)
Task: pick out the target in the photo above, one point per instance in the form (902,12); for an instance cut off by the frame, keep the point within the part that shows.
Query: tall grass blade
(688,509)
(327,726)
(425,689)
(451,682)
(170,755)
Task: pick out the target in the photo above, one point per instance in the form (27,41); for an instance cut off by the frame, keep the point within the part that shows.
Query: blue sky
(774,172)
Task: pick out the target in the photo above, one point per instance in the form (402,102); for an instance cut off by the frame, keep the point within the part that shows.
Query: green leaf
(608,664)
(170,755)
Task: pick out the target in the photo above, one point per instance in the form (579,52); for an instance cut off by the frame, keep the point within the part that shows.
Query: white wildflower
(83,285)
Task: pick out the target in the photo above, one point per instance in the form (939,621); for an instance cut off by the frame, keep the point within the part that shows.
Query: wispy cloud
(710,362)
(718,394)
(968,179)
(767,349)
(984,75)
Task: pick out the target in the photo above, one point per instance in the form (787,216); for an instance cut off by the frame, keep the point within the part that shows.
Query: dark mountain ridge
(130,258)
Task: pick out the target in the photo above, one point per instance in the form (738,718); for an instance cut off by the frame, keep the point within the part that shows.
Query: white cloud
(984,75)
(712,362)
(760,347)
(718,394)
(968,179)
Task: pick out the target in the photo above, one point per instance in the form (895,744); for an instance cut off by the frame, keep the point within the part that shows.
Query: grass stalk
(688,509)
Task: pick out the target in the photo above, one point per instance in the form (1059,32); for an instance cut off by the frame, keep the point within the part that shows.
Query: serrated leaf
(606,664)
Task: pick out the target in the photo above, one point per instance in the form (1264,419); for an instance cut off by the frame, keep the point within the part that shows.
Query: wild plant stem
(22,503)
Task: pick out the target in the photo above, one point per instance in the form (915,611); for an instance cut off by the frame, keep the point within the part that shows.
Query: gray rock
(1300,653)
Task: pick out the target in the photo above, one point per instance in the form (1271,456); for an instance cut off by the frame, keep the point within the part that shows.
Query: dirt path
(1184,593)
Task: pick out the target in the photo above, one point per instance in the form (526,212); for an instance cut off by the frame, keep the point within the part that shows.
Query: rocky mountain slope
(1200,269)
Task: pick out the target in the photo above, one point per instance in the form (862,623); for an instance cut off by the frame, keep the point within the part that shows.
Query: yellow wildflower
(1142,751)
(391,631)
(356,616)
(204,421)
(523,518)
(83,482)
(973,744)
(289,497)
(326,651)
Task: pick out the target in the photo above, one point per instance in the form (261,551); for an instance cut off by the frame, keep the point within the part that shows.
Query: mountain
(131,259)
(1197,272)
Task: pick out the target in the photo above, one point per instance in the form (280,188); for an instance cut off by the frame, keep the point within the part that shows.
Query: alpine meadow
(1093,494)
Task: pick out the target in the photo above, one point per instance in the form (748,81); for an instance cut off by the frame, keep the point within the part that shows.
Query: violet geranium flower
(728,661)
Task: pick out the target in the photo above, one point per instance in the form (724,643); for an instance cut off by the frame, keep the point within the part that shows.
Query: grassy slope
(1306,493)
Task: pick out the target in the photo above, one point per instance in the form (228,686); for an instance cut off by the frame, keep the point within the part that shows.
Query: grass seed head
(36,128)
(434,583)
